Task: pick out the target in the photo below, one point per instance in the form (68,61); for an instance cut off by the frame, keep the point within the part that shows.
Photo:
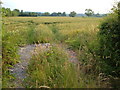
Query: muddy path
(25,53)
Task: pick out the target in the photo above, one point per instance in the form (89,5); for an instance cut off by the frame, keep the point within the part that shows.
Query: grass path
(25,53)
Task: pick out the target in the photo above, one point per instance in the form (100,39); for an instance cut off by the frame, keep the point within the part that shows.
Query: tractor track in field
(25,53)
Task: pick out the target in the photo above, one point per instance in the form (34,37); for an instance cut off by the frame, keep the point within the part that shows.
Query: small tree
(89,12)
(97,15)
(72,14)
(63,14)
(59,14)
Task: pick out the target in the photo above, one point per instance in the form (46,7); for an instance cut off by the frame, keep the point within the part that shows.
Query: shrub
(110,43)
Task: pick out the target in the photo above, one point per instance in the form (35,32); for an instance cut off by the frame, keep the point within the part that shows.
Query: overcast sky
(79,6)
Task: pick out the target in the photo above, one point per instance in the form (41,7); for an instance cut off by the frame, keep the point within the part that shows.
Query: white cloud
(101,6)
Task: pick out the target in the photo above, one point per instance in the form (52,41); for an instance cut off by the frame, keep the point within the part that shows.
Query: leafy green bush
(110,43)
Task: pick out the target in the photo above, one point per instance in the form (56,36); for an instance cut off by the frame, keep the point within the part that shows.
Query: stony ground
(19,70)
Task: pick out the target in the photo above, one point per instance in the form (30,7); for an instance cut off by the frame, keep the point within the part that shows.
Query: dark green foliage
(6,12)
(57,14)
(63,14)
(72,14)
(27,14)
(89,12)
(110,43)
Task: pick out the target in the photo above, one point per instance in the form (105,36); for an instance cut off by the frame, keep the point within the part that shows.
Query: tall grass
(52,69)
(43,34)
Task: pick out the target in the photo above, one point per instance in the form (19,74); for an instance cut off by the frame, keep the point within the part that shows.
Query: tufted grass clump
(51,68)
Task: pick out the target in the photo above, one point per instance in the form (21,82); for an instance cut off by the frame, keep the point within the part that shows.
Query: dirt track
(25,53)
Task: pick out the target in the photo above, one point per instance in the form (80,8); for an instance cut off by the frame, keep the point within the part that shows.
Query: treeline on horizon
(7,12)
